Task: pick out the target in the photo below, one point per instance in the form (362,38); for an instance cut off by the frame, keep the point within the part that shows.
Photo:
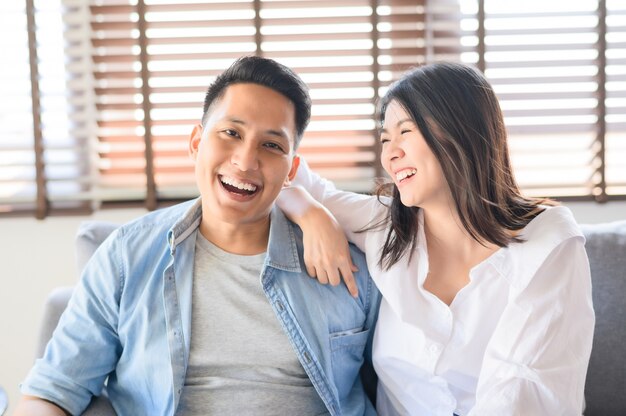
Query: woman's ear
(194,141)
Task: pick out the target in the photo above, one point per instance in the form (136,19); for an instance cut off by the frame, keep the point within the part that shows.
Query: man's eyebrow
(398,124)
(271,132)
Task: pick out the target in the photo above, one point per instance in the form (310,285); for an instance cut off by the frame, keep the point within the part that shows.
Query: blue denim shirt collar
(282,252)
(185,226)
(327,328)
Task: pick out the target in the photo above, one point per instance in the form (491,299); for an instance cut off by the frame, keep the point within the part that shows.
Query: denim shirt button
(280,306)
(307,357)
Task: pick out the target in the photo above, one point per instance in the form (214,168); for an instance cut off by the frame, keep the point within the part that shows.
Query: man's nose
(246,157)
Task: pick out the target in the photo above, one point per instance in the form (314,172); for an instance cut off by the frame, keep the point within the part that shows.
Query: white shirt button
(434,349)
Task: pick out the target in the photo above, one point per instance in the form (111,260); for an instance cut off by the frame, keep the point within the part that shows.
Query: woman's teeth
(405,174)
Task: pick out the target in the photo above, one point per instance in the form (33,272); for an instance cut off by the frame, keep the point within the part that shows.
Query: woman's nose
(392,150)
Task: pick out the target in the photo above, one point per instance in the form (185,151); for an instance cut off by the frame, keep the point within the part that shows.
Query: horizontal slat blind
(414,33)
(116,77)
(120,84)
(66,105)
(542,59)
(37,128)
(616,98)
(329,44)
(188,45)
(18,186)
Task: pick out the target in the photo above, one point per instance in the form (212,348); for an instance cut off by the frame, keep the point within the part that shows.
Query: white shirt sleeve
(353,211)
(536,361)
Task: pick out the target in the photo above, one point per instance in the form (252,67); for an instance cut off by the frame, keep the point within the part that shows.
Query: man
(204,307)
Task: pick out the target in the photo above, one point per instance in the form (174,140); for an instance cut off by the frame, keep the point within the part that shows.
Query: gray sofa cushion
(52,310)
(605,389)
(89,236)
(606,378)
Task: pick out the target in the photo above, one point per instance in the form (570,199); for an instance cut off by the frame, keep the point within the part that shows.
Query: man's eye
(231,132)
(274,146)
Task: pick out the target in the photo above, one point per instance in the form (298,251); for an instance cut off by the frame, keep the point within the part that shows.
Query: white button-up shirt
(515,340)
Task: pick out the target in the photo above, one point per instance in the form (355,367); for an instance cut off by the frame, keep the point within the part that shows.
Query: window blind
(153,60)
(101,105)
(615,143)
(542,62)
(42,162)
(330,45)
(18,185)
(547,62)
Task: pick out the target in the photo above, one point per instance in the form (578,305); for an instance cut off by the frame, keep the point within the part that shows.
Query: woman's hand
(326,251)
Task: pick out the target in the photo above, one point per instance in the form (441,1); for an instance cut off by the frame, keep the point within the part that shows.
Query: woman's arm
(353,211)
(326,215)
(536,361)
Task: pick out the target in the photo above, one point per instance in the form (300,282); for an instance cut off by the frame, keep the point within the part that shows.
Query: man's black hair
(270,74)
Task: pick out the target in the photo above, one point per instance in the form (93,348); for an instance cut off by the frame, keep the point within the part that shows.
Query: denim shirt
(127,325)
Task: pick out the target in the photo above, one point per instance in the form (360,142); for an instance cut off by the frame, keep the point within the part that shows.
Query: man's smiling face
(244,153)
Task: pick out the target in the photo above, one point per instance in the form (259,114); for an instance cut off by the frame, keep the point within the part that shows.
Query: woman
(486,293)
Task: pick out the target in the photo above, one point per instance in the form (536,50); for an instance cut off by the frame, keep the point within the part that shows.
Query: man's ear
(194,141)
(294,169)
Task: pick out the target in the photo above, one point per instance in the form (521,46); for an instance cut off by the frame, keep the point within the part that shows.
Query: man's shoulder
(148,229)
(354,250)
(160,220)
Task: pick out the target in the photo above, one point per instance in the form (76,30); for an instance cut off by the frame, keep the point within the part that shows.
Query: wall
(37,256)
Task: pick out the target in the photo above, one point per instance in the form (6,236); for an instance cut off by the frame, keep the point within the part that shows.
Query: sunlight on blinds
(18,187)
(616,98)
(120,84)
(188,45)
(541,58)
(115,74)
(64,130)
(329,44)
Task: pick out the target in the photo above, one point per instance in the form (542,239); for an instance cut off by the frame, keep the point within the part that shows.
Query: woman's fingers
(322,277)
(327,252)
(348,278)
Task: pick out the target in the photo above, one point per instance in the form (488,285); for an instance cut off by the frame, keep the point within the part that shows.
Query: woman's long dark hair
(457,112)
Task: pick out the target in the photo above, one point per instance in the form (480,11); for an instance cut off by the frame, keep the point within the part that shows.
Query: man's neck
(244,239)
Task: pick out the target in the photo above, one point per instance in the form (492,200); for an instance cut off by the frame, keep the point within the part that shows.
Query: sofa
(605,388)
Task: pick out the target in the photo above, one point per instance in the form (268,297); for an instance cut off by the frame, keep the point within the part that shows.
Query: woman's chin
(408,201)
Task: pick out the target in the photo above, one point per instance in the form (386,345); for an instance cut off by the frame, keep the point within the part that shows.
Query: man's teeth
(405,174)
(237,184)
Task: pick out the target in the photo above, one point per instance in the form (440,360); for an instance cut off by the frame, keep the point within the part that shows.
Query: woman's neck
(452,253)
(445,233)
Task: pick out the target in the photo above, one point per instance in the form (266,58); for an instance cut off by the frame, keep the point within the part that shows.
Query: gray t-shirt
(240,360)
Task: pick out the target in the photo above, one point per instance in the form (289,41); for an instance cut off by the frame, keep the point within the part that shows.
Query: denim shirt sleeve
(85,347)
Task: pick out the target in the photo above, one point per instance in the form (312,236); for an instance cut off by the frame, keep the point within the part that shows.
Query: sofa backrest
(605,388)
